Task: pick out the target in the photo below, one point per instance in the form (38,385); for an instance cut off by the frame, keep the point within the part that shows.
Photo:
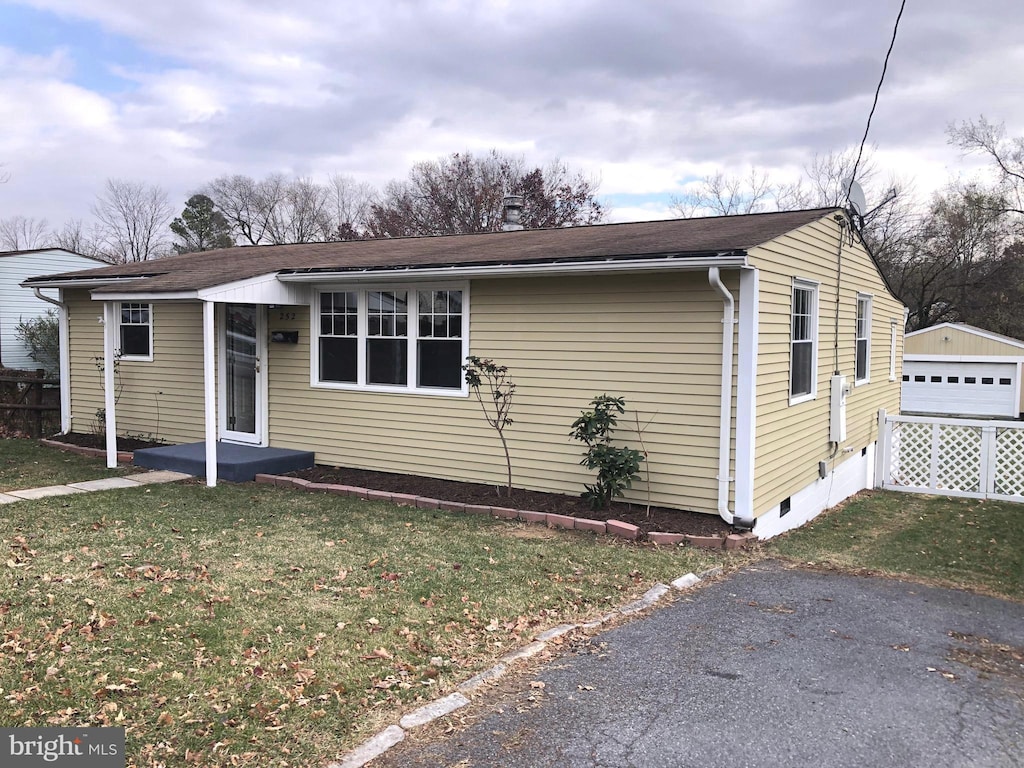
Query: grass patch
(964,543)
(247,624)
(27,464)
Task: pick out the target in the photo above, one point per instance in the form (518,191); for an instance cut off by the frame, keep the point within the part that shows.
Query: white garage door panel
(960,389)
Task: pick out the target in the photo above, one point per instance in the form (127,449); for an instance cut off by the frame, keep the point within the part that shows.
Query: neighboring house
(955,369)
(722,334)
(17,303)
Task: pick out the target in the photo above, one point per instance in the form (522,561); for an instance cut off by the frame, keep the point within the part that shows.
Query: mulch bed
(658,519)
(88,440)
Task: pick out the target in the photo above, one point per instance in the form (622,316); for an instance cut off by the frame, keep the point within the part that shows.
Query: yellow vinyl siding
(161,399)
(954,341)
(654,340)
(792,439)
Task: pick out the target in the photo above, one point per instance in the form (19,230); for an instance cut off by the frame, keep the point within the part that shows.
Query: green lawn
(253,625)
(27,464)
(966,543)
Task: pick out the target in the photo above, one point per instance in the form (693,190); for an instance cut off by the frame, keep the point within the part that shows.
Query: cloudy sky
(646,95)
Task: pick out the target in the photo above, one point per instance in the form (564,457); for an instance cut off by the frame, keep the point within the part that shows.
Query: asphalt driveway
(772,666)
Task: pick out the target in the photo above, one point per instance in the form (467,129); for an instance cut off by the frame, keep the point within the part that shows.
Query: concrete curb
(380,743)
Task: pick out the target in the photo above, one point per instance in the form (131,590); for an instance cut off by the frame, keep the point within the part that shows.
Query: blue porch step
(235,463)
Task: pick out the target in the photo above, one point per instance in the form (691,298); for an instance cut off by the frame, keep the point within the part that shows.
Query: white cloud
(643,95)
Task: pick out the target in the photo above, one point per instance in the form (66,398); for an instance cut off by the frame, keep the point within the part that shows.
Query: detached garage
(959,370)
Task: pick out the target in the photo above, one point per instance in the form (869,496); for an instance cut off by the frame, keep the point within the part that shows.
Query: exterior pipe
(64,358)
(725,411)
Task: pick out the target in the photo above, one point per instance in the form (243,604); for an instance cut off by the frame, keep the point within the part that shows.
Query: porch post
(109,394)
(210,392)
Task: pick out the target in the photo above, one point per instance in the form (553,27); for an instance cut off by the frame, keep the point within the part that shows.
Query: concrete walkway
(104,484)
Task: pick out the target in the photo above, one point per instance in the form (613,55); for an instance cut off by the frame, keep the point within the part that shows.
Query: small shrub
(486,374)
(41,335)
(617,467)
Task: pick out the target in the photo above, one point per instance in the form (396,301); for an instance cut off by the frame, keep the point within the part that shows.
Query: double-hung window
(862,366)
(135,331)
(803,341)
(398,338)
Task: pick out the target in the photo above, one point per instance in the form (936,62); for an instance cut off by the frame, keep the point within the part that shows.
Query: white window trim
(136,358)
(814,286)
(412,338)
(869,298)
(892,348)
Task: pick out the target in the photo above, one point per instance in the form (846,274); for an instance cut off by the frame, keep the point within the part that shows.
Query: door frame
(259,437)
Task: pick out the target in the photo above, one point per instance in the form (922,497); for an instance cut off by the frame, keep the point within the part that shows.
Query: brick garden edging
(123,457)
(611,527)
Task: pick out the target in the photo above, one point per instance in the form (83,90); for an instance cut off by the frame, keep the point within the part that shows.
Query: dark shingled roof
(194,271)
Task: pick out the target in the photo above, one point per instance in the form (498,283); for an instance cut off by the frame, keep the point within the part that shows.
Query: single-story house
(954,369)
(17,304)
(755,351)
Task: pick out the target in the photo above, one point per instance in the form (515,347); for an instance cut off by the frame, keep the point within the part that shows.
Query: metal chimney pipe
(513,215)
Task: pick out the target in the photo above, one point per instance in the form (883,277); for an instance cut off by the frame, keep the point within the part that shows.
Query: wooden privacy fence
(954,457)
(29,402)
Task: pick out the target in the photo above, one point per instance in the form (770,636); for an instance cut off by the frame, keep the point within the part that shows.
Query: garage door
(960,389)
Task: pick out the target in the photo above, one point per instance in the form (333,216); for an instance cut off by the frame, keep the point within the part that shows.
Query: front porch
(236,463)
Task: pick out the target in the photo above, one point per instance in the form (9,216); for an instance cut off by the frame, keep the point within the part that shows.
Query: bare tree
(350,202)
(21,233)
(463,193)
(1006,154)
(301,213)
(247,204)
(73,236)
(133,220)
(720,194)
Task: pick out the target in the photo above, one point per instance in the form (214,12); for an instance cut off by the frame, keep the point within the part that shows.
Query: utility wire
(885,66)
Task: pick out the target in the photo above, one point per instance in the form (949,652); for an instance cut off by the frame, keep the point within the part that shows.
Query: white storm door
(242,376)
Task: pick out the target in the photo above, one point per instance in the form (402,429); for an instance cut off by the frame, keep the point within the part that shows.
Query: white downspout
(64,358)
(725,411)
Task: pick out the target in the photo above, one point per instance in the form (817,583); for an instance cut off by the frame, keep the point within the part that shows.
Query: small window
(136,332)
(987,380)
(970,380)
(863,331)
(953,380)
(1004,382)
(439,362)
(936,379)
(387,332)
(339,331)
(892,348)
(408,338)
(803,341)
(906,377)
(785,505)
(919,378)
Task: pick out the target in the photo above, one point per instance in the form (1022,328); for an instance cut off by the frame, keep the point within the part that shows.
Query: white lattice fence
(957,457)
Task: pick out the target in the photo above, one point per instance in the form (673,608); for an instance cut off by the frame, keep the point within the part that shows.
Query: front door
(242,378)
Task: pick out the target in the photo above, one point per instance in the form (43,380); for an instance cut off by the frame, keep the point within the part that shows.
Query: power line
(878,90)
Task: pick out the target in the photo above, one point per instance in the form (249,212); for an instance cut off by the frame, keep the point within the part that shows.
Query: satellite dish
(855,197)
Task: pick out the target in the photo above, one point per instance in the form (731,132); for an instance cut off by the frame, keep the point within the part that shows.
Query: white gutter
(64,358)
(81,282)
(728,259)
(725,411)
